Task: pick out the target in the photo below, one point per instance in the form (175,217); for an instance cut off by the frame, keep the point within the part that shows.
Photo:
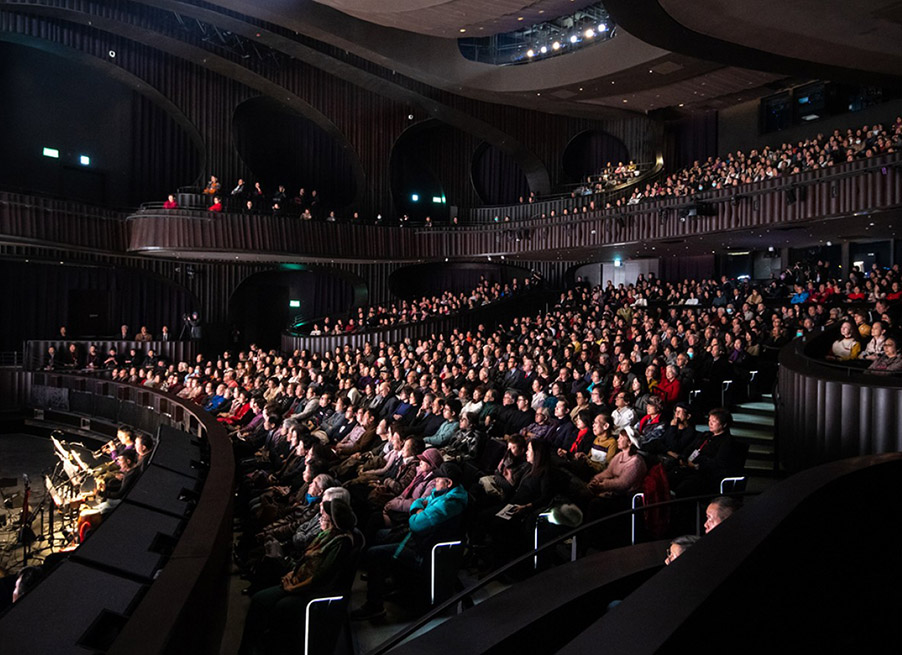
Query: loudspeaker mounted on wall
(85,423)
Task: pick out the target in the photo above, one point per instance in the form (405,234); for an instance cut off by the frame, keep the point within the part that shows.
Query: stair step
(760,405)
(740,418)
(761,451)
(754,433)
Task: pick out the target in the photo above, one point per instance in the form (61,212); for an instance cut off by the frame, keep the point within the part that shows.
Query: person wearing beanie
(276,615)
(433,518)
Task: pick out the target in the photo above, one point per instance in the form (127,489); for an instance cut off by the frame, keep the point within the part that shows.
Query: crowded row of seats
(729,171)
(576,406)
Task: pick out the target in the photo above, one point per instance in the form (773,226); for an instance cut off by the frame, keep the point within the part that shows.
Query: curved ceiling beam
(204,59)
(651,23)
(439,62)
(536,172)
(119,74)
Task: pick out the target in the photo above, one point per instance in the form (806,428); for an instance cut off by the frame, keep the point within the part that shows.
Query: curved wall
(827,411)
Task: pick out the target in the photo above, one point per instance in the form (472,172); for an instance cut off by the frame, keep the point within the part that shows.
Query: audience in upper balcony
(170,203)
(767,163)
(216,206)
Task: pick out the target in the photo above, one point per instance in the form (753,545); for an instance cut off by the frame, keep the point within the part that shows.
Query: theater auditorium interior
(444,326)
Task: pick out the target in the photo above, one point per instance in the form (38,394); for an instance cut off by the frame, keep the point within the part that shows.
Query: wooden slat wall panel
(859,186)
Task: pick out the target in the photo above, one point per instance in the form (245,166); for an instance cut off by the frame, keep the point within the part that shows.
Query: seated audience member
(143,335)
(874,348)
(709,458)
(50,361)
(620,479)
(847,346)
(123,332)
(216,206)
(719,510)
(275,619)
(466,443)
(890,361)
(623,415)
(679,546)
(563,432)
(28,579)
(73,357)
(397,509)
(213,186)
(446,431)
(502,483)
(238,192)
(94,360)
(433,518)
(170,203)
(679,433)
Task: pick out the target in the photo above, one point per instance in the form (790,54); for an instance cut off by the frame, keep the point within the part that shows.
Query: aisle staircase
(753,423)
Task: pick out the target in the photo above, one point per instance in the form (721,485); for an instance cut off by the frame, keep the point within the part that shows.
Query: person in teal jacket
(433,518)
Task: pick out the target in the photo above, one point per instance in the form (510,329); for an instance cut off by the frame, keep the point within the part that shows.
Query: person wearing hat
(276,614)
(433,518)
(423,483)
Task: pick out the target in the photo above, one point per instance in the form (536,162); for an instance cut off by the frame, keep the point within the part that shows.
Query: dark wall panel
(689,139)
(281,147)
(370,122)
(591,151)
(497,177)
(135,149)
(39,296)
(260,306)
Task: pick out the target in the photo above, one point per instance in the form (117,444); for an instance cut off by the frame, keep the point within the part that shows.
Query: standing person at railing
(170,203)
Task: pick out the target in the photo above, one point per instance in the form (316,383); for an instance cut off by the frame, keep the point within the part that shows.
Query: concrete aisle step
(744,418)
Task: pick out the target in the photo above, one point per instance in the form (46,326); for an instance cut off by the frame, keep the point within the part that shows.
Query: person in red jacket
(217,205)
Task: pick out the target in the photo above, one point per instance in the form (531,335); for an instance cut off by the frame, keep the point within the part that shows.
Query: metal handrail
(437,611)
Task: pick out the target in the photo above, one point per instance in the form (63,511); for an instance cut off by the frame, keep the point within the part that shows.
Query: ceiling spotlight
(602,27)
(590,33)
(556,45)
(530,53)
(463,29)
(543,50)
(573,38)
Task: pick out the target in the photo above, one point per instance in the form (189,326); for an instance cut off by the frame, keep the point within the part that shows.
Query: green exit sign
(294,304)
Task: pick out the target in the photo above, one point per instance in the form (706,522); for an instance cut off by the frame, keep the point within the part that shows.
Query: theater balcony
(860,192)
(848,201)
(827,410)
